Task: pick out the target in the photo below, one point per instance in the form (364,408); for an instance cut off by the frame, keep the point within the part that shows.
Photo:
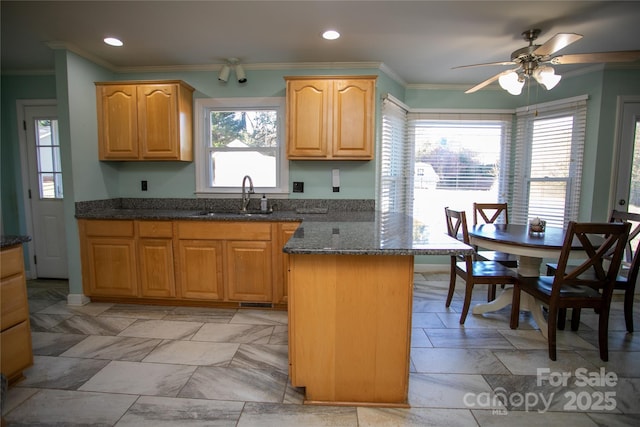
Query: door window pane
(48,153)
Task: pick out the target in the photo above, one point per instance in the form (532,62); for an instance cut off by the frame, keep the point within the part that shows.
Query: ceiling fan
(536,60)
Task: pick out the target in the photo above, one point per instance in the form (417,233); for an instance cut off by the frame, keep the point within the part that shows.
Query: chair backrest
(457,225)
(599,241)
(490,213)
(634,219)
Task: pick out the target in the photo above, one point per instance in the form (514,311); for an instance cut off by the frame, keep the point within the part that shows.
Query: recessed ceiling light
(330,35)
(112,41)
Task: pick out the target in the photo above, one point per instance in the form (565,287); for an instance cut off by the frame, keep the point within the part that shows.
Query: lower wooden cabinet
(15,339)
(218,261)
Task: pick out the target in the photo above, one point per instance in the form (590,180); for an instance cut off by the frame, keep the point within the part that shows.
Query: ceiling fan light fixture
(511,82)
(224,73)
(546,76)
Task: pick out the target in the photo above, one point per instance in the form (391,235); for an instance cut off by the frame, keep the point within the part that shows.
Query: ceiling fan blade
(557,42)
(488,81)
(482,65)
(586,58)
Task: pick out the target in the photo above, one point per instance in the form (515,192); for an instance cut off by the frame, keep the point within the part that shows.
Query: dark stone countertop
(7,241)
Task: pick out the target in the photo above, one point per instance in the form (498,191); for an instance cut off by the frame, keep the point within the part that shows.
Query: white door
(45,192)
(627,190)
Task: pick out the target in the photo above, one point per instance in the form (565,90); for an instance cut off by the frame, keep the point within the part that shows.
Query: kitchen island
(350,304)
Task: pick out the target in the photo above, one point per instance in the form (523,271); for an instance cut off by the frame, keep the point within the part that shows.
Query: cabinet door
(281,263)
(112,266)
(307,118)
(249,271)
(117,122)
(158,121)
(200,269)
(156,268)
(353,118)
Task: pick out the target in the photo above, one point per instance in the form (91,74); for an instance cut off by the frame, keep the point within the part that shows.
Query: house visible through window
(238,137)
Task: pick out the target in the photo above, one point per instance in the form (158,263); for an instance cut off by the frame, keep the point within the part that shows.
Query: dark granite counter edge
(6,241)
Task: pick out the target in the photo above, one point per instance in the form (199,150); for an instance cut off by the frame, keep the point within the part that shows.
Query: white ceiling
(419,41)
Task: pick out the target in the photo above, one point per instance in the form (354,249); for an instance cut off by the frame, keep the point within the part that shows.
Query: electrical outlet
(298,187)
(143,185)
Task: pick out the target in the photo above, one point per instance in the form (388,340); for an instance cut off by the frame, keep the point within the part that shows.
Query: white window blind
(548,162)
(396,164)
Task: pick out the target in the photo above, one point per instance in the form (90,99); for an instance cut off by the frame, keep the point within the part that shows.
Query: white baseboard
(77,299)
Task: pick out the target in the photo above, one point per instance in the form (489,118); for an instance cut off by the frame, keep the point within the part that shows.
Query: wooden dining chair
(490,213)
(576,286)
(627,276)
(472,271)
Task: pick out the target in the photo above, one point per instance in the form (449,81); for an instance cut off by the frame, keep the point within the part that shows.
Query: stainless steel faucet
(246,195)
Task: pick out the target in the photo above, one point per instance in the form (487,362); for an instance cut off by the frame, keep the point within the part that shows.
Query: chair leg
(552,323)
(467,302)
(491,293)
(515,308)
(562,317)
(628,308)
(452,282)
(575,319)
(603,334)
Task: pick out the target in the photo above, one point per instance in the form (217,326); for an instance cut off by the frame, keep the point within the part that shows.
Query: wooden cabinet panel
(17,353)
(281,262)
(224,230)
(330,117)
(12,261)
(13,295)
(117,122)
(157,278)
(145,120)
(201,269)
(248,271)
(111,267)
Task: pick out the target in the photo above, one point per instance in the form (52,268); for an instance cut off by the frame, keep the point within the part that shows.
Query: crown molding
(72,48)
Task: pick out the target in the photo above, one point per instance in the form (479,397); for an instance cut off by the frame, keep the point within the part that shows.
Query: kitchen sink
(213,214)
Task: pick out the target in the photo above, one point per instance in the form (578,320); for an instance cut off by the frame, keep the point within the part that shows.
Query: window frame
(203,106)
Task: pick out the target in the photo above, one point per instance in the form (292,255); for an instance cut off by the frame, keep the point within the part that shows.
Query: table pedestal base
(527,303)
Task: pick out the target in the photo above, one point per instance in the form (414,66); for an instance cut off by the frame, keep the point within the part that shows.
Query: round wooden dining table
(530,248)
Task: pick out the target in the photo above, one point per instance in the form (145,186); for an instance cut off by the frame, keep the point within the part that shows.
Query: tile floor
(130,365)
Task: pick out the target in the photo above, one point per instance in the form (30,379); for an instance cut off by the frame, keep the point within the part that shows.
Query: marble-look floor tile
(421,305)
(426,320)
(414,417)
(628,395)
(260,356)
(70,408)
(495,320)
(171,412)
(534,340)
(91,309)
(93,325)
(543,393)
(446,390)
(269,414)
(16,396)
(255,334)
(280,335)
(36,305)
(532,419)
(201,314)
(250,385)
(45,322)
(163,329)
(527,362)
(53,344)
(615,420)
(260,317)
(152,379)
(50,293)
(458,361)
(60,372)
(293,395)
(419,338)
(616,320)
(113,348)
(137,311)
(618,340)
(624,364)
(468,338)
(193,353)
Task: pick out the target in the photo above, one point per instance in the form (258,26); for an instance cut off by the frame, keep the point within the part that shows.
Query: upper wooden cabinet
(330,117)
(145,120)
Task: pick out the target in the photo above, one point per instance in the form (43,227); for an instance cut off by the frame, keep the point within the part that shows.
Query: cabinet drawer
(109,228)
(155,229)
(16,350)
(224,230)
(13,295)
(12,261)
